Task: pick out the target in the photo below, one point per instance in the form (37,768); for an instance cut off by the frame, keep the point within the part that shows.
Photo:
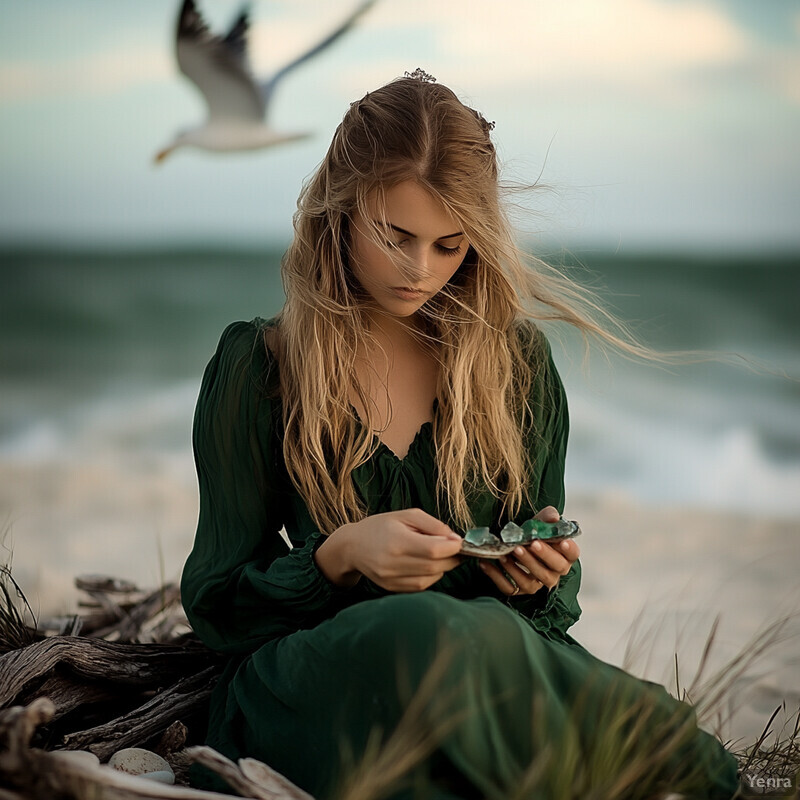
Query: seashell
(138,761)
(482,543)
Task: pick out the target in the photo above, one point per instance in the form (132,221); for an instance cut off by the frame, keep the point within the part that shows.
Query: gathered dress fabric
(318,674)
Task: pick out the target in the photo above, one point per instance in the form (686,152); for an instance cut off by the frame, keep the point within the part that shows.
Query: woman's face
(423,231)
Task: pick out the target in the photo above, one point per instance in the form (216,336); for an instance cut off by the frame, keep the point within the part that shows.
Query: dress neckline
(411,448)
(382,446)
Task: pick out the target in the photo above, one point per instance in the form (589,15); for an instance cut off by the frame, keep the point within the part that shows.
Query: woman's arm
(241,584)
(556,609)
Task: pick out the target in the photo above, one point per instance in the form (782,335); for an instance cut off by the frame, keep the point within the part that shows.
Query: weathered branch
(132,621)
(40,775)
(147,721)
(131,665)
(250,778)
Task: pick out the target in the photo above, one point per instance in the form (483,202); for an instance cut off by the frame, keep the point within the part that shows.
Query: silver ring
(515,592)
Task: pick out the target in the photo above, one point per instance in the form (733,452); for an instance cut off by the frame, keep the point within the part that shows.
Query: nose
(418,263)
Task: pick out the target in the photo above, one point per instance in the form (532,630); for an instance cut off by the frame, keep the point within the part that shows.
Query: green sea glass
(481,542)
(481,537)
(512,533)
(536,529)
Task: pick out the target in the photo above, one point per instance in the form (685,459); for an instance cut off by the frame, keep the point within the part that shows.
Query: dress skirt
(506,711)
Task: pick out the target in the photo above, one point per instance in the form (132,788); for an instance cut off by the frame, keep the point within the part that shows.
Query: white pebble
(161,776)
(137,761)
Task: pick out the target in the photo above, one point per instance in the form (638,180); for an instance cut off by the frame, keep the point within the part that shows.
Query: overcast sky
(650,123)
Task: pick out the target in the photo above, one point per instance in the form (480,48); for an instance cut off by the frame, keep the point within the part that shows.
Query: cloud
(273,42)
(627,44)
(781,70)
(647,48)
(276,41)
(101,72)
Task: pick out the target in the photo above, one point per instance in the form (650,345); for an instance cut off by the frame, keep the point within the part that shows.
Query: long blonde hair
(414,129)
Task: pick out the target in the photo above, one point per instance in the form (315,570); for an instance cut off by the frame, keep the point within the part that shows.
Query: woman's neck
(398,332)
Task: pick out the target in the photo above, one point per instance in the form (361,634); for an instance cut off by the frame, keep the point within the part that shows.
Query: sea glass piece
(563,529)
(512,533)
(480,536)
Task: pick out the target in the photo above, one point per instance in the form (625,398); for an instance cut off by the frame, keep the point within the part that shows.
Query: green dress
(315,669)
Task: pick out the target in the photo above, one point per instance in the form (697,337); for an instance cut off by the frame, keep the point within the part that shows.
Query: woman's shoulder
(238,393)
(249,347)
(532,339)
(241,332)
(545,379)
(241,336)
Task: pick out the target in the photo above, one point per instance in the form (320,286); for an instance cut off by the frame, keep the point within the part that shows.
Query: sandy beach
(654,578)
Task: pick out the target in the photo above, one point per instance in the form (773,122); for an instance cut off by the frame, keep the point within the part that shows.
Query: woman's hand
(534,565)
(402,551)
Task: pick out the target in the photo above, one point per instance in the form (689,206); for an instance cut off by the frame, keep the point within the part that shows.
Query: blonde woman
(403,395)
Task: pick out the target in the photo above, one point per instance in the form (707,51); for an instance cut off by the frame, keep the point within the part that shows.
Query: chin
(406,309)
(384,301)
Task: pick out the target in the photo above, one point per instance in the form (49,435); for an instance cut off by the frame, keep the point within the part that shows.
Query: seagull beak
(161,155)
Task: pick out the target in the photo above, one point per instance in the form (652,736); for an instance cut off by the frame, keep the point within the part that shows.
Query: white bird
(237,102)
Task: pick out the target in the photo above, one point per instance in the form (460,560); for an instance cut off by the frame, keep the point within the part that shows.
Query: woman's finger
(548,514)
(508,577)
(499,577)
(550,557)
(538,570)
(569,549)
(525,569)
(524,578)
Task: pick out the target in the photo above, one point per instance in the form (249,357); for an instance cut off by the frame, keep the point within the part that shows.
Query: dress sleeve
(242,585)
(557,610)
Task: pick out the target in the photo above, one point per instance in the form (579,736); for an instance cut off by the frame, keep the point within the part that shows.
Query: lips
(410,295)
(409,290)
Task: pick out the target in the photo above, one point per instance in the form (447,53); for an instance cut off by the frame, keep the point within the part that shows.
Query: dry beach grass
(621,763)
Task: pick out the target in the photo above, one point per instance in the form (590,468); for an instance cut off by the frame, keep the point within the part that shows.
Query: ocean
(101,355)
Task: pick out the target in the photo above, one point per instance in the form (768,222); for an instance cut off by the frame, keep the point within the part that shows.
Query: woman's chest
(400,389)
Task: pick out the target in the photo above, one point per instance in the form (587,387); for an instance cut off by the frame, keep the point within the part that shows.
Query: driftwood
(127,672)
(145,722)
(42,775)
(109,664)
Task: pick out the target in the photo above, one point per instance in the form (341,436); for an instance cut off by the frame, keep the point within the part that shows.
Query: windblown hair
(414,129)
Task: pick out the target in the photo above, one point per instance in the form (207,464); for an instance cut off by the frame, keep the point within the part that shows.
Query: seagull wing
(268,86)
(219,67)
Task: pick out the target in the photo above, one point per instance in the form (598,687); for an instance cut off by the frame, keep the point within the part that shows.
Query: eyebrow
(398,229)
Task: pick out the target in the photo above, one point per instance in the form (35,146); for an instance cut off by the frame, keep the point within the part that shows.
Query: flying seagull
(237,102)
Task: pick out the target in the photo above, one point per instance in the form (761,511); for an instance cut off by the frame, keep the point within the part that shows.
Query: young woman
(403,395)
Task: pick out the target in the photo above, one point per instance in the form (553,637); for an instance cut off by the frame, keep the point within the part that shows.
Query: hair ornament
(419,74)
(488,127)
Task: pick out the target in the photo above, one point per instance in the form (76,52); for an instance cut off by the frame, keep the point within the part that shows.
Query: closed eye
(440,248)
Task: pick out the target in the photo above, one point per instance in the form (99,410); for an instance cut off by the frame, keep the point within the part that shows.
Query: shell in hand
(482,543)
